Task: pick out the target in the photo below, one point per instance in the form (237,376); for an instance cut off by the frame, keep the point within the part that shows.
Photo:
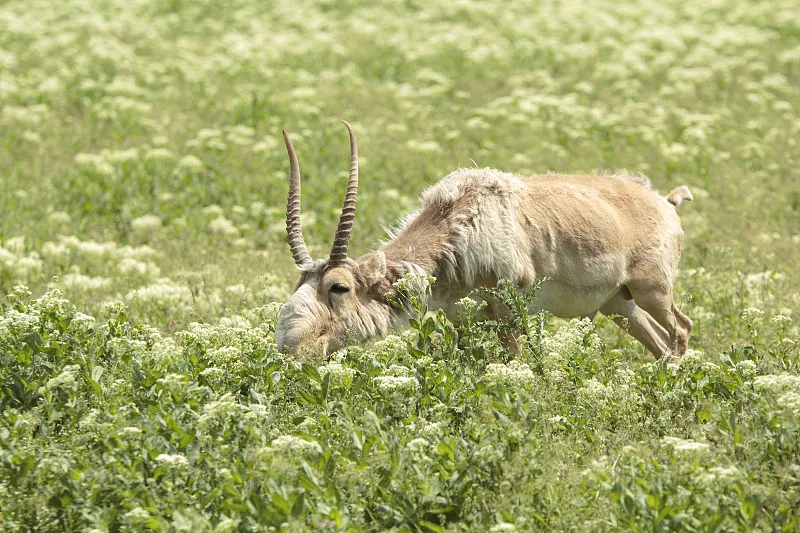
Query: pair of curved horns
(294,229)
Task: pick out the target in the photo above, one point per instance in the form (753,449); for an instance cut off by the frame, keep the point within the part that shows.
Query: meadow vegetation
(143,262)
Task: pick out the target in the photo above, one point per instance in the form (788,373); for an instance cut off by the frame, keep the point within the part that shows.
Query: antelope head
(336,299)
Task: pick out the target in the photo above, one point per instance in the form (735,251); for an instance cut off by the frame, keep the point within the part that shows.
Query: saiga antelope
(608,243)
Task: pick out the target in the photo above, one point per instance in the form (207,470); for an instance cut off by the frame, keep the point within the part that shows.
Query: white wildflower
(7,258)
(418,445)
(159,154)
(222,226)
(66,380)
(503,527)
(165,350)
(81,322)
(173,382)
(234,321)
(191,163)
(122,156)
(725,473)
(292,444)
(227,357)
(746,369)
(95,162)
(113,308)
(515,374)
(238,291)
(139,253)
(172,460)
(146,224)
(213,373)
(136,515)
(752,315)
(213,210)
(685,445)
(790,401)
(424,146)
(163,292)
(28,266)
(16,245)
(77,281)
(130,266)
(391,345)
(337,371)
(400,384)
(777,383)
(781,321)
(91,249)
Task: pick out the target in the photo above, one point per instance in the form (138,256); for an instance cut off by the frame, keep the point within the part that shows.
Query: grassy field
(143,261)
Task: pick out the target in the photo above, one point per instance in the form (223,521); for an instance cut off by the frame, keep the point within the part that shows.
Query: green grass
(142,174)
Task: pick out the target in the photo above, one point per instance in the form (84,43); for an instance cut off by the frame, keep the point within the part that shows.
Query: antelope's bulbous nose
(286,330)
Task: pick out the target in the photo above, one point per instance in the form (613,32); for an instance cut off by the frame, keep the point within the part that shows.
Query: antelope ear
(373,267)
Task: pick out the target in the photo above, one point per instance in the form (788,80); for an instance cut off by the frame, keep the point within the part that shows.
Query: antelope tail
(679,194)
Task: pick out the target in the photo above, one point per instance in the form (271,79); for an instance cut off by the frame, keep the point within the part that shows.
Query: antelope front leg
(639,324)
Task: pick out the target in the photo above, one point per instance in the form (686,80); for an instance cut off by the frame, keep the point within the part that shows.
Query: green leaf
(430,526)
(310,372)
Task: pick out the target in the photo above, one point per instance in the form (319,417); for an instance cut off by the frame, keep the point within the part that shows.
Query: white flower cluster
(292,444)
(80,282)
(223,227)
(234,321)
(162,352)
(396,384)
(146,269)
(66,381)
(113,308)
(81,322)
(137,515)
(790,401)
(515,375)
(218,411)
(392,345)
(135,260)
(164,293)
(146,224)
(693,361)
(121,347)
(425,429)
(96,163)
(174,460)
(778,383)
(760,286)
(418,445)
(594,391)
(575,338)
(173,382)
(747,369)
(228,358)
(716,477)
(752,315)
(503,527)
(131,431)
(685,446)
(16,322)
(337,371)
(23,265)
(782,322)
(785,388)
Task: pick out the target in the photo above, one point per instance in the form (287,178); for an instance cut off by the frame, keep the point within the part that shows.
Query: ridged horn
(342,238)
(294,230)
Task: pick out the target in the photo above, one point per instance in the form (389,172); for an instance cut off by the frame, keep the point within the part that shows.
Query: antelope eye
(338,288)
